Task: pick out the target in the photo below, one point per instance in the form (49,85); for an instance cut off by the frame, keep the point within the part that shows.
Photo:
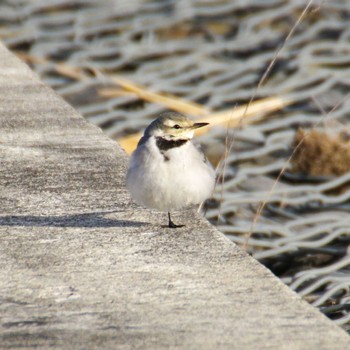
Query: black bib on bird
(164,144)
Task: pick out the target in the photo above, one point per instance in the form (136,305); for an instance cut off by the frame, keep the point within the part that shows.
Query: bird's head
(173,126)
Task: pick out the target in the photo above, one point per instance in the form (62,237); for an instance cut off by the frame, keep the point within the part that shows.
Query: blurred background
(272,77)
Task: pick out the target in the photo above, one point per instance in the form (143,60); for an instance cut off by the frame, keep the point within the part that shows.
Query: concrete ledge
(80,270)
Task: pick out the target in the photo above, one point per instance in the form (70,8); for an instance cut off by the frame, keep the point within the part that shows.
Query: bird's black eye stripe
(177,126)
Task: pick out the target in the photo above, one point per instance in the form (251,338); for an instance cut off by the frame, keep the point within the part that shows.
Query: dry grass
(321,153)
(229,118)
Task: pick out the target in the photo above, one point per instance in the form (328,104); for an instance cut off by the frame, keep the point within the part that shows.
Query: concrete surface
(80,269)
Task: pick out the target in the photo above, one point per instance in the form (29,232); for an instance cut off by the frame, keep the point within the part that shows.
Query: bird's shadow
(95,219)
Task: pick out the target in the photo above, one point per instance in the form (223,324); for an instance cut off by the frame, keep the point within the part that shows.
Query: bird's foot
(171,224)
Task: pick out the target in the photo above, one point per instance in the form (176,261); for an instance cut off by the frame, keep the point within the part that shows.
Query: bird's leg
(171,224)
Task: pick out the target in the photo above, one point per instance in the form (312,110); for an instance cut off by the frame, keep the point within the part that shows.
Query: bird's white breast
(177,178)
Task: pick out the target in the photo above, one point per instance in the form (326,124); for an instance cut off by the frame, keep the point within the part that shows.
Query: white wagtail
(167,171)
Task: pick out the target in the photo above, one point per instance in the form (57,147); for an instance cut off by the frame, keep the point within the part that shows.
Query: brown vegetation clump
(321,153)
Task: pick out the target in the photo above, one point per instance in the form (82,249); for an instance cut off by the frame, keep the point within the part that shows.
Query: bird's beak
(199,125)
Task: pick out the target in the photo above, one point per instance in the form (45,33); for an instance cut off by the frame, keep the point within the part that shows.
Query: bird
(168,171)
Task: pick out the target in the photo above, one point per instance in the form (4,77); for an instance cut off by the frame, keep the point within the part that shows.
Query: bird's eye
(177,126)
